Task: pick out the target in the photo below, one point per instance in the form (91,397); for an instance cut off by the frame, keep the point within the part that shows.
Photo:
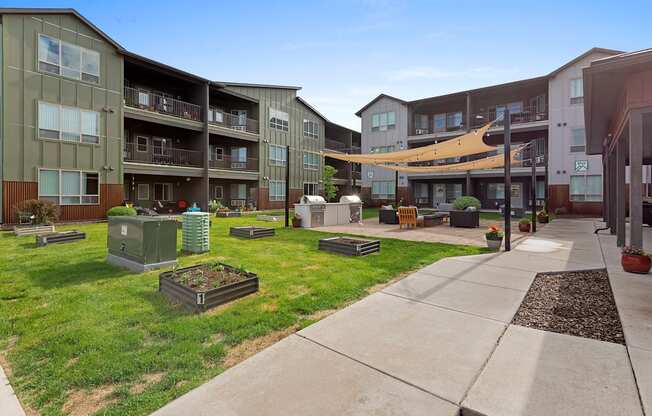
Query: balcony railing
(162,155)
(231,163)
(526,115)
(232,121)
(157,103)
(338,146)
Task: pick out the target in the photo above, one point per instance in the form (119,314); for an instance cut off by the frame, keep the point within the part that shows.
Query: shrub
(121,211)
(464,202)
(214,206)
(524,221)
(633,251)
(41,211)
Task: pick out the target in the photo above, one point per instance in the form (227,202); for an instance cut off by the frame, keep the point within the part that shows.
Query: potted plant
(524,225)
(465,212)
(635,260)
(296,221)
(543,217)
(494,238)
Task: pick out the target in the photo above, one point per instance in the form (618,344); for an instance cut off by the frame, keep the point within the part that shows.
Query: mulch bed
(572,303)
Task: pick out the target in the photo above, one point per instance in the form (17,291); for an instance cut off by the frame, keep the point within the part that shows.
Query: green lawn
(75,328)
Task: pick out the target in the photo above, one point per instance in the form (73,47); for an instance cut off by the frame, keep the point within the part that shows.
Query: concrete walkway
(9,404)
(439,342)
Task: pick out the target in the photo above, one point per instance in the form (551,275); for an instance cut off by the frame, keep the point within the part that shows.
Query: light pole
(508,179)
(287,186)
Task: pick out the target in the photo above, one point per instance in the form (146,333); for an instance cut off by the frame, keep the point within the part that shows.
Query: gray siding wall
(395,137)
(564,117)
(24,86)
(285,100)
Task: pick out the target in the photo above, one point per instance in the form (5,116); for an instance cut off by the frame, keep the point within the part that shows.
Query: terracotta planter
(543,220)
(296,222)
(524,228)
(494,244)
(636,264)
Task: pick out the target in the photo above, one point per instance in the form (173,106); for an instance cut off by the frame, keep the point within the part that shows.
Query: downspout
(2,124)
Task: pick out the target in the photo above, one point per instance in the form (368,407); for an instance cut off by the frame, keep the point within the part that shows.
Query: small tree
(40,211)
(330,190)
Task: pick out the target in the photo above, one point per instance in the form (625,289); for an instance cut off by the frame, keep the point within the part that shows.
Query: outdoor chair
(407,216)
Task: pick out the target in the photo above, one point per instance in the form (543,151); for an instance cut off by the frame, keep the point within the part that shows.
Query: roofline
(153,62)
(47,10)
(245,84)
(313,109)
(621,60)
(381,95)
(584,55)
(223,88)
(343,127)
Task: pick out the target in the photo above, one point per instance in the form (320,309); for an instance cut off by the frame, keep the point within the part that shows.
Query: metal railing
(162,155)
(525,115)
(232,121)
(339,146)
(231,163)
(158,103)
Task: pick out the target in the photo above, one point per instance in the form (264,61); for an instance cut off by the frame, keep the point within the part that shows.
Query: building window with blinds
(311,160)
(277,155)
(310,129)
(383,121)
(576,91)
(383,189)
(71,61)
(65,187)
(68,123)
(276,190)
(578,141)
(586,188)
(279,120)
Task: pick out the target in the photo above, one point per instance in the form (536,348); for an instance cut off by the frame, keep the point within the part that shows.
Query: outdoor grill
(311,209)
(355,207)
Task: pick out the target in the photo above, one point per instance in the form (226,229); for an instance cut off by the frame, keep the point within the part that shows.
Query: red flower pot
(524,228)
(636,264)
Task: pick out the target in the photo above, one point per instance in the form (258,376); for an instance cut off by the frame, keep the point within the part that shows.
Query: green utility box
(196,227)
(142,243)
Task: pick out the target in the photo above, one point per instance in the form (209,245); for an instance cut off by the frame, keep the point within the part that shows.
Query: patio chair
(407,216)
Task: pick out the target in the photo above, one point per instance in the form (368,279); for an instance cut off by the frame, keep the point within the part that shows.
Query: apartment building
(88,124)
(546,111)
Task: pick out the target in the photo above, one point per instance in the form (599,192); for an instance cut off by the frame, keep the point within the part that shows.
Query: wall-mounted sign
(370,174)
(581,165)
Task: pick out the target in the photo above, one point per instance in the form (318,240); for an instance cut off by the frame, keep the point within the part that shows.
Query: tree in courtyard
(330,190)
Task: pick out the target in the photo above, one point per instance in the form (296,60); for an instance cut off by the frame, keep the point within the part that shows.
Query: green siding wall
(24,86)
(285,100)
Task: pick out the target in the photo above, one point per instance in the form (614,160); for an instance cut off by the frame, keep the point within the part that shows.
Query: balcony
(231,163)
(338,146)
(525,115)
(158,103)
(232,121)
(162,155)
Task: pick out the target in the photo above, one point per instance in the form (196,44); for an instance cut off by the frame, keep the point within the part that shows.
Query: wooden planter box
(226,214)
(63,237)
(349,246)
(252,232)
(21,230)
(200,301)
(466,219)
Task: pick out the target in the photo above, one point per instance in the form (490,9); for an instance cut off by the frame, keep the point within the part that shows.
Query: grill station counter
(316,212)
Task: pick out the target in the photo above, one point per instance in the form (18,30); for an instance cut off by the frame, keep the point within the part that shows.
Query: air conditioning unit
(421,131)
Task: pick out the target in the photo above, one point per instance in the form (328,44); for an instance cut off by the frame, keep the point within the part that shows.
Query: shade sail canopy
(470,143)
(486,163)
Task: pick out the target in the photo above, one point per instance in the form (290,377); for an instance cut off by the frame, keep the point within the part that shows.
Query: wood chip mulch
(572,303)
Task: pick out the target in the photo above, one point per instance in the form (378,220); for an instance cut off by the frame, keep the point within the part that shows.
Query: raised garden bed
(226,214)
(573,303)
(21,230)
(349,246)
(62,237)
(206,286)
(252,232)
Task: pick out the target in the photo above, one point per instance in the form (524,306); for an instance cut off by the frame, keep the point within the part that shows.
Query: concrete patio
(440,342)
(438,234)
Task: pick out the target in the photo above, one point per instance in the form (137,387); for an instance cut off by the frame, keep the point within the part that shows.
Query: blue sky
(344,53)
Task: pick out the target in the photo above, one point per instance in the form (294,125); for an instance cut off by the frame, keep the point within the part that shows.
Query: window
(238,191)
(163,192)
(143,192)
(311,160)
(383,121)
(382,149)
(277,155)
(310,188)
(440,122)
(496,191)
(141,143)
(382,189)
(216,153)
(310,129)
(278,119)
(218,192)
(454,120)
(71,61)
(586,188)
(68,123)
(578,141)
(65,187)
(576,91)
(276,190)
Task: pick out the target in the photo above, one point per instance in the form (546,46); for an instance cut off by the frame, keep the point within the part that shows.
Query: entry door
(439,194)
(517,195)
(242,118)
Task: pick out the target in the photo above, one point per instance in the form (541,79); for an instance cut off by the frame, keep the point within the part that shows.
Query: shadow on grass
(56,275)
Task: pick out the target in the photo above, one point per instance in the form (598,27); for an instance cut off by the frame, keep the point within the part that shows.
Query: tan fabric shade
(468,144)
(486,163)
